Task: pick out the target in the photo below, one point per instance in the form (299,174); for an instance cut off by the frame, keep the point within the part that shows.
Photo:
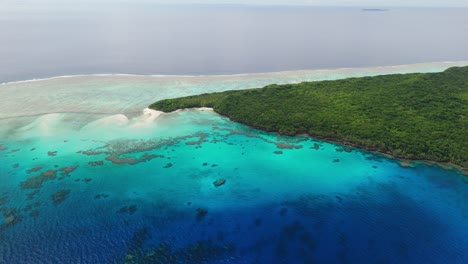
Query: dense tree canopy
(413,116)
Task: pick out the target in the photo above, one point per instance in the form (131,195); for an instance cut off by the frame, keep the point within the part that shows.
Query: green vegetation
(410,116)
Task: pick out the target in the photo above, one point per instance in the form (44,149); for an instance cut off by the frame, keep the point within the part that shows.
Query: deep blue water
(284,200)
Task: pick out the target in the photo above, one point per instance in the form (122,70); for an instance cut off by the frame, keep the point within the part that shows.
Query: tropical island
(417,116)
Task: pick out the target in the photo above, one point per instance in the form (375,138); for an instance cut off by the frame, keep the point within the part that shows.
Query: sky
(332,2)
(361,3)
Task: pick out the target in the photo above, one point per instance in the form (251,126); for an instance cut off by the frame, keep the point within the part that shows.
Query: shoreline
(404,161)
(258,74)
(406,145)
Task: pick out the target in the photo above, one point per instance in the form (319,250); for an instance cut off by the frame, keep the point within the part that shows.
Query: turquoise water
(139,188)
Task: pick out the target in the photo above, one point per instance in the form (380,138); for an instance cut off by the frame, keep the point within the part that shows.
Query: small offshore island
(417,116)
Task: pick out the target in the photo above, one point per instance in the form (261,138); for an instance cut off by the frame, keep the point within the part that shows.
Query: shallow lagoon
(101,188)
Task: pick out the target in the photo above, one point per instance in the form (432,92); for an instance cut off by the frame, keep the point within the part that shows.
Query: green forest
(421,116)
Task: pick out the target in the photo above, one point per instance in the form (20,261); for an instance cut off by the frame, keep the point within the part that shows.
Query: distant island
(417,116)
(374,9)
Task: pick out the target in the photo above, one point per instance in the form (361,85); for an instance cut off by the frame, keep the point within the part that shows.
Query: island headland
(416,116)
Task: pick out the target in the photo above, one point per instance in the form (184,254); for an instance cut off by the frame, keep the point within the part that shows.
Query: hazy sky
(333,2)
(370,3)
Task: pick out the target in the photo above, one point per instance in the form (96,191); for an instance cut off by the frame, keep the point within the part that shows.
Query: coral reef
(202,251)
(128,209)
(219,182)
(67,170)
(406,164)
(36,182)
(102,195)
(201,213)
(34,169)
(96,163)
(30,196)
(117,151)
(12,216)
(60,196)
(287,146)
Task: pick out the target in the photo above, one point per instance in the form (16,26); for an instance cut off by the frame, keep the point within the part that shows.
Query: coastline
(401,159)
(309,103)
(285,73)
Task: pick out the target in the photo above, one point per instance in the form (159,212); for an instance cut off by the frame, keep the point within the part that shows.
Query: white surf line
(442,63)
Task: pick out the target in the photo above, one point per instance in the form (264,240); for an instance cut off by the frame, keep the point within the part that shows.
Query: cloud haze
(373,3)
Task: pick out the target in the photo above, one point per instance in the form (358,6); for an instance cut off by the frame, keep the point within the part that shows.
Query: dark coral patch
(316,146)
(406,164)
(201,213)
(86,180)
(278,152)
(34,213)
(34,169)
(96,163)
(27,207)
(3,200)
(12,216)
(128,209)
(60,196)
(287,146)
(67,170)
(16,165)
(168,165)
(219,182)
(52,153)
(101,195)
(130,160)
(199,252)
(30,196)
(117,160)
(336,160)
(347,148)
(339,198)
(37,181)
